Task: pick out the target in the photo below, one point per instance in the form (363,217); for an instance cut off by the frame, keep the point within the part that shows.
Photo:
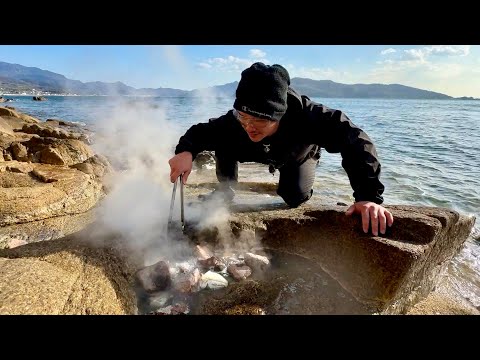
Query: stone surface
(47,191)
(43,230)
(65,276)
(389,273)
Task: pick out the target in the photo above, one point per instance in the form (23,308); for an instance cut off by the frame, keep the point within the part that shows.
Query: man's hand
(180,164)
(374,213)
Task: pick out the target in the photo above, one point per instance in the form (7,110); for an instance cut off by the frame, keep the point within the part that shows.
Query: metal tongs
(172,205)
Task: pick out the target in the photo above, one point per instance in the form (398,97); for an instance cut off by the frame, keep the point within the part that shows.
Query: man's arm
(337,134)
(334,131)
(202,136)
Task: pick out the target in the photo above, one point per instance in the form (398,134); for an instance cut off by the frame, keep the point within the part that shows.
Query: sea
(429,151)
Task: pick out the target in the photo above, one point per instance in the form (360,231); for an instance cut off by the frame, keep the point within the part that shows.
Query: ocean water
(429,150)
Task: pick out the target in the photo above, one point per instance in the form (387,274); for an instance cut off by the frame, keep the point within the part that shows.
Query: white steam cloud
(138,140)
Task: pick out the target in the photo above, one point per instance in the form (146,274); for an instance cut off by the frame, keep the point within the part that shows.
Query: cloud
(440,68)
(257,53)
(228,64)
(414,56)
(233,63)
(449,50)
(425,54)
(425,62)
(388,51)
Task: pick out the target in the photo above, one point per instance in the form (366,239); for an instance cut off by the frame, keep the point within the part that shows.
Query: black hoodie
(305,123)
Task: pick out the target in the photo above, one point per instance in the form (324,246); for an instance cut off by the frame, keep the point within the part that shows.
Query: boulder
(388,273)
(57,151)
(31,192)
(11,114)
(65,277)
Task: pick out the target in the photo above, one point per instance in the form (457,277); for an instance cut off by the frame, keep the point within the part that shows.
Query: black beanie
(262,91)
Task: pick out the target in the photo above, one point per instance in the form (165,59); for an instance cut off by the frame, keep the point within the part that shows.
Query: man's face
(256,128)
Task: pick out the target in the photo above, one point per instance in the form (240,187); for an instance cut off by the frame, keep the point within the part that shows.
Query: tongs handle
(172,202)
(182,213)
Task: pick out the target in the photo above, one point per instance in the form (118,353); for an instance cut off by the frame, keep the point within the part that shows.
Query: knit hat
(262,91)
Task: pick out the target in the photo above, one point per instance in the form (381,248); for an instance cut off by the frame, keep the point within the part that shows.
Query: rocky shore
(51,182)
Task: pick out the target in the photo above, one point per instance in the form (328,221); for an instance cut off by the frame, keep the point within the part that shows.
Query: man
(272,124)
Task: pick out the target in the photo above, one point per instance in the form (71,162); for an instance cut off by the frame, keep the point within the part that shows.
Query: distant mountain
(19,79)
(16,78)
(467,98)
(330,89)
(227,90)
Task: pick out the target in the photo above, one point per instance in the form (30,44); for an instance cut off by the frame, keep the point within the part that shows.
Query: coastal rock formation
(31,192)
(48,175)
(15,118)
(65,277)
(50,150)
(389,274)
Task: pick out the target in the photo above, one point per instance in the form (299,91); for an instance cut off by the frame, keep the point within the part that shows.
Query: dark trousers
(295,185)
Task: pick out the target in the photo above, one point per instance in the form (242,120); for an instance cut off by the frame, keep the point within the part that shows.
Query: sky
(450,69)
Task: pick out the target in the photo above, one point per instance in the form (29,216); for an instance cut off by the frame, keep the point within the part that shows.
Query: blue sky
(449,69)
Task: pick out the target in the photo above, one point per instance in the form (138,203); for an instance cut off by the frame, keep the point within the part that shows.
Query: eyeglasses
(246,120)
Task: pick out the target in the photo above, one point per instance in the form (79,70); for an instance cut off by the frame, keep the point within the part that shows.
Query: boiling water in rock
(291,285)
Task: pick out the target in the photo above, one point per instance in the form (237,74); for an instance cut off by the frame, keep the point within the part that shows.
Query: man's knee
(295,200)
(226,168)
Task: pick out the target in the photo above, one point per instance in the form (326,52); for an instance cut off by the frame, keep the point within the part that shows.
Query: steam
(139,140)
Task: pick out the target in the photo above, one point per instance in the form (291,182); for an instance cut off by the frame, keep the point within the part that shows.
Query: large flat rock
(45,229)
(64,277)
(388,273)
(31,192)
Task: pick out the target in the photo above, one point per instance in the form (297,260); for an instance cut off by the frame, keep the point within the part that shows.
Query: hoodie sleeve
(203,136)
(333,130)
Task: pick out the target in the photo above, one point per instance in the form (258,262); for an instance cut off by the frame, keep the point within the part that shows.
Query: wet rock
(187,283)
(176,309)
(256,262)
(179,309)
(19,152)
(159,300)
(212,280)
(202,252)
(232,260)
(186,267)
(212,263)
(155,277)
(239,272)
